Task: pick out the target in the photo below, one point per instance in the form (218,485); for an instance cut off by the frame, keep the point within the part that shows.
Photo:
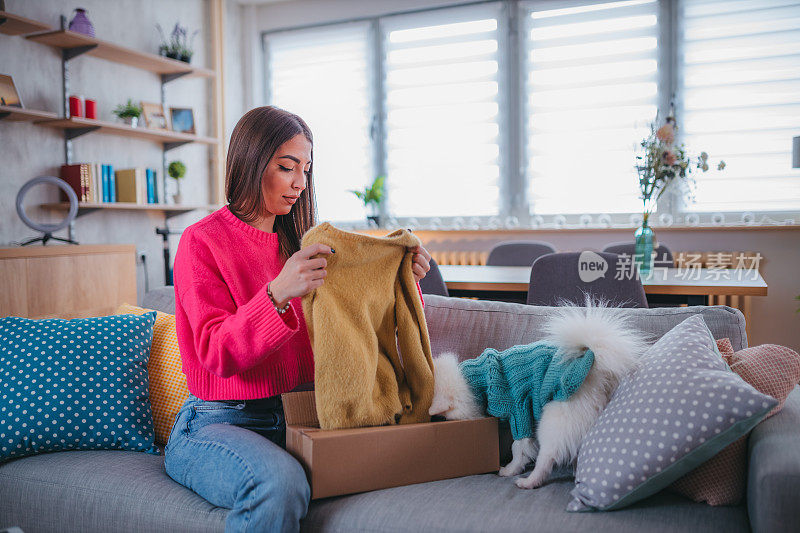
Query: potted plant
(372,197)
(129,112)
(179,45)
(176,171)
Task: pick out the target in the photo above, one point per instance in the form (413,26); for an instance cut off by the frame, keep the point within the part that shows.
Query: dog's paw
(508,471)
(527,483)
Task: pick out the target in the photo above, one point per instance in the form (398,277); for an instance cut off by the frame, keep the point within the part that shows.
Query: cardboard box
(344,461)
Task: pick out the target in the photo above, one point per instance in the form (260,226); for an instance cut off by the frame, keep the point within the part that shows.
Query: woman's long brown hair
(254,141)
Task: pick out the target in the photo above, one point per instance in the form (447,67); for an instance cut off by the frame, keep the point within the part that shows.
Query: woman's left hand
(421,262)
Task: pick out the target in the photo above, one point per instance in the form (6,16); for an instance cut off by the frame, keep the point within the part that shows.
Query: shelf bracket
(86,210)
(166,78)
(170,146)
(4,114)
(70,53)
(169,214)
(70,134)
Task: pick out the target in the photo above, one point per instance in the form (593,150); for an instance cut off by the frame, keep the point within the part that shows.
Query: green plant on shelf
(128,110)
(179,45)
(129,113)
(176,171)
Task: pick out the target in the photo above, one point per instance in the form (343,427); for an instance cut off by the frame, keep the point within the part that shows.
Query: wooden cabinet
(66,281)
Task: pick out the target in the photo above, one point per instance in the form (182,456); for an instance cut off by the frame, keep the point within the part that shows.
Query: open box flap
(299,408)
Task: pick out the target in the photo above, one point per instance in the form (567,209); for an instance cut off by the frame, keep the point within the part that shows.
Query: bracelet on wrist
(280,310)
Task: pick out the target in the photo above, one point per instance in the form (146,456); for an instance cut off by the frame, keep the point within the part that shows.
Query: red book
(77,176)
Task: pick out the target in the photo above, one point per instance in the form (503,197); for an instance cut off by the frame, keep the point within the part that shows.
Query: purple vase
(80,23)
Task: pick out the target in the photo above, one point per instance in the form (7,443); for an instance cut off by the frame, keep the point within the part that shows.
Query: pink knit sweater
(234,345)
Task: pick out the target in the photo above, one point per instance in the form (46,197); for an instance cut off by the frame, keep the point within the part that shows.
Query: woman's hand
(421,263)
(301,274)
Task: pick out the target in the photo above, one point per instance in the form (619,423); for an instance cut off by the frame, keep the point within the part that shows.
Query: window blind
(741,100)
(323,75)
(591,92)
(441,86)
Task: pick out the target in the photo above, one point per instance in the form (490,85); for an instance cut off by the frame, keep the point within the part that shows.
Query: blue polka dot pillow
(682,407)
(76,384)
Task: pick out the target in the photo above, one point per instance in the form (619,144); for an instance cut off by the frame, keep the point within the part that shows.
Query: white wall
(27,150)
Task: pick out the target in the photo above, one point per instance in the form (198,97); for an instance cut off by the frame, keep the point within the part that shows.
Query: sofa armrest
(773,479)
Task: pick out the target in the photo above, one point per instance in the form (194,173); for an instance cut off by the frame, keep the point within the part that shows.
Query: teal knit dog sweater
(516,384)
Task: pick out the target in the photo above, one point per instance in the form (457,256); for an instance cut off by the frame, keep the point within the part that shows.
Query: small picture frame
(182,119)
(8,93)
(154,117)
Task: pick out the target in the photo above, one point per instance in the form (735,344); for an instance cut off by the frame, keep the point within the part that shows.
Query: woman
(239,276)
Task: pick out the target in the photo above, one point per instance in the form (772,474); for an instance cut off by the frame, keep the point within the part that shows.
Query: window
(442,112)
(591,91)
(537,107)
(741,100)
(323,75)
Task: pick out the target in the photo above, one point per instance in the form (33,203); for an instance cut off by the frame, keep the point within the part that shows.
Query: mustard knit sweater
(367,307)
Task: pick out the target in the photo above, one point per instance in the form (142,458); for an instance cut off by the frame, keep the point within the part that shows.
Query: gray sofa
(108,491)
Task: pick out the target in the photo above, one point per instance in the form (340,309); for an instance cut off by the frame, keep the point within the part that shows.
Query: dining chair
(433,283)
(518,253)
(663,258)
(556,278)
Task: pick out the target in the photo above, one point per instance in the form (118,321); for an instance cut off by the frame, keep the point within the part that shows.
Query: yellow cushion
(167,382)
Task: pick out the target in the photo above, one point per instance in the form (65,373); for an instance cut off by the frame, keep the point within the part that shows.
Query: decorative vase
(177,197)
(374,215)
(131,121)
(645,239)
(80,23)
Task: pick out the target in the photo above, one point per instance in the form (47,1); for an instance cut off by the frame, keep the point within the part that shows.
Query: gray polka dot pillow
(75,385)
(680,408)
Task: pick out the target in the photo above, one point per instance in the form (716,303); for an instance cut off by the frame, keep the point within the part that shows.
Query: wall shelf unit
(75,44)
(18,114)
(12,24)
(77,126)
(169,210)
(72,45)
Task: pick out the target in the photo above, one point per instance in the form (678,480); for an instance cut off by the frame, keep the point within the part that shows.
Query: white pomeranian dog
(563,424)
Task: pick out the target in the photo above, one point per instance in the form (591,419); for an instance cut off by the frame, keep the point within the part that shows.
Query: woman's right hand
(300,274)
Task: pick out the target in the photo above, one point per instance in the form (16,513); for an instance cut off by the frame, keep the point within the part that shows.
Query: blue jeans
(232,454)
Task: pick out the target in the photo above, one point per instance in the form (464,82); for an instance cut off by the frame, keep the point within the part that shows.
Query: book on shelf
(129,185)
(109,190)
(97,182)
(78,177)
(112,184)
(100,183)
(137,185)
(152,186)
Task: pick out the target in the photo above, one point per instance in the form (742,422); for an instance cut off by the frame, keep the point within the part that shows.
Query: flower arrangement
(663,162)
(179,45)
